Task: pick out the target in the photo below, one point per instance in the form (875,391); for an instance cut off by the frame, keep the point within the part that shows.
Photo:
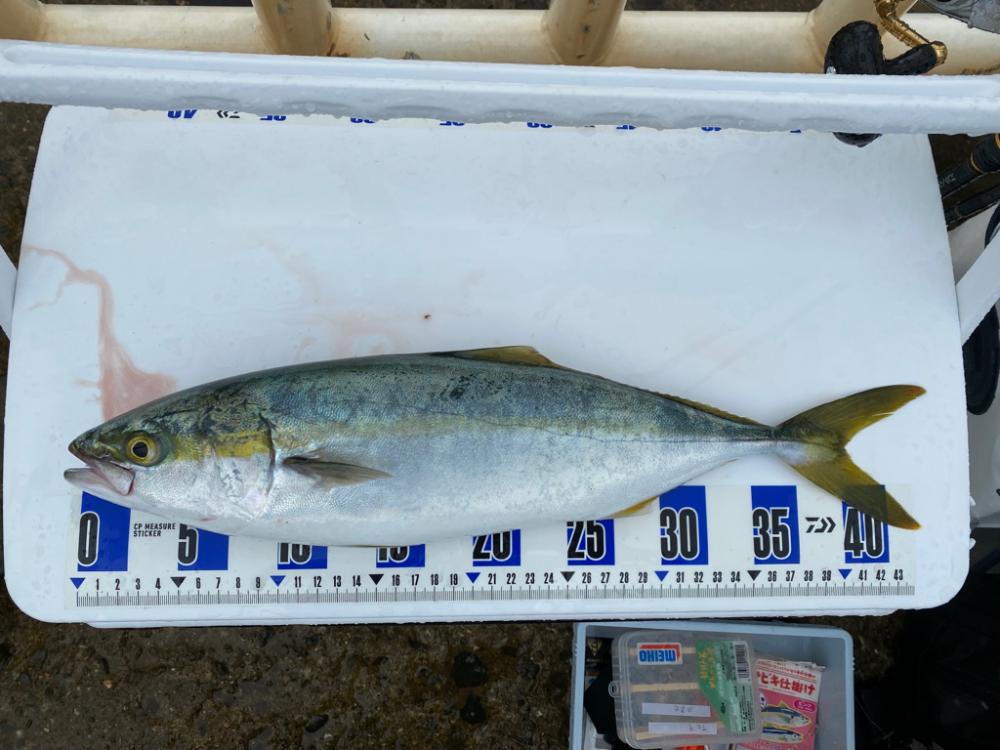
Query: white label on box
(677,709)
(683,727)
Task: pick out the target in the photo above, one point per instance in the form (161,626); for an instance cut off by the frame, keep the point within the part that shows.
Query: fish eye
(142,449)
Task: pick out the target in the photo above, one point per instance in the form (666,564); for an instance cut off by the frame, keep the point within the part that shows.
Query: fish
(781,734)
(402,449)
(783,716)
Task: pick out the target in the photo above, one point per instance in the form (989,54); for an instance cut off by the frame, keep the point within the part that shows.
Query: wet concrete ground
(406,686)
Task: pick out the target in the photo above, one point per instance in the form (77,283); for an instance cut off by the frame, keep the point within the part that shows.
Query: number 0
(90,524)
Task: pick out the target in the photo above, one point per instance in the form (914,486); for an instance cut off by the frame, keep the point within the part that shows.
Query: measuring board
(718,543)
(167,249)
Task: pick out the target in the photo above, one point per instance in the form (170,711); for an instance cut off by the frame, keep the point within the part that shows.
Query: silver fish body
(404,449)
(473,447)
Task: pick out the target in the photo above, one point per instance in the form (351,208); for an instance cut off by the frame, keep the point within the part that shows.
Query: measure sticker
(775,525)
(866,539)
(501,548)
(301,556)
(684,527)
(198,549)
(700,548)
(401,557)
(590,542)
(102,544)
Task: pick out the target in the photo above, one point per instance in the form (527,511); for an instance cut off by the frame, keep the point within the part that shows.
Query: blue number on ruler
(274,118)
(451,124)
(300,556)
(775,518)
(683,527)
(538,125)
(198,549)
(866,539)
(103,540)
(176,114)
(400,557)
(502,548)
(590,542)
(362,121)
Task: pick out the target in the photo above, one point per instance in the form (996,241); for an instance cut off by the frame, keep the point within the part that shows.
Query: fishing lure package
(789,697)
(673,688)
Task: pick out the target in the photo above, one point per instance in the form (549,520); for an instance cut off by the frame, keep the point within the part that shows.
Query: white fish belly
(464,483)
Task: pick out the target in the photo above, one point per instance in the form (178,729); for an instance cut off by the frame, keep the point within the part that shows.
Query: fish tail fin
(819,437)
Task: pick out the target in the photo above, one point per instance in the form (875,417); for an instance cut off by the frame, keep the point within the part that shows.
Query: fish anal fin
(330,472)
(711,410)
(511,355)
(634,510)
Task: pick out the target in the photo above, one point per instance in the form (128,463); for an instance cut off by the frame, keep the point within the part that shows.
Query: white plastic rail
(979,289)
(8,280)
(480,92)
(577,32)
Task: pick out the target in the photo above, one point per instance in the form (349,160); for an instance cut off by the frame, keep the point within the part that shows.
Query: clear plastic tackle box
(678,687)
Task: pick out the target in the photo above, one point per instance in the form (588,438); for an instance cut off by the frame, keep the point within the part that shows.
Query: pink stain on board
(353,332)
(122,385)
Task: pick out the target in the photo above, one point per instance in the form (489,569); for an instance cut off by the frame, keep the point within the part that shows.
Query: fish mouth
(100,475)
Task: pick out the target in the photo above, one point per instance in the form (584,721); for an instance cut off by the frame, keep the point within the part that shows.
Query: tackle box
(677,687)
(830,648)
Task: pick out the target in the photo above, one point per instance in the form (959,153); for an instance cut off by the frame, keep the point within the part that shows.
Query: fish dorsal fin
(634,510)
(711,410)
(528,355)
(511,355)
(328,471)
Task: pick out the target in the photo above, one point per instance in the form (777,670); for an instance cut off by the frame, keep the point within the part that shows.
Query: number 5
(187,544)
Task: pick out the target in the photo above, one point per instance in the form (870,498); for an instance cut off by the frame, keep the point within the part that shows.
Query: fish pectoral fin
(329,472)
(638,508)
(511,355)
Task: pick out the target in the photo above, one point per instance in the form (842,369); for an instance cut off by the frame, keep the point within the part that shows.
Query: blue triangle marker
(277,580)
(661,574)
(472,576)
(78,582)
(844,572)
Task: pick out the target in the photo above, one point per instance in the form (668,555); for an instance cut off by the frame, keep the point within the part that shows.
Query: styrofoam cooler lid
(760,273)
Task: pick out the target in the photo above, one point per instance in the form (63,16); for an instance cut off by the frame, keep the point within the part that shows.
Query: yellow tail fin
(825,431)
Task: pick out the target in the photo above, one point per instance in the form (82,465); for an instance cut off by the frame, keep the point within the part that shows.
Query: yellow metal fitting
(905,33)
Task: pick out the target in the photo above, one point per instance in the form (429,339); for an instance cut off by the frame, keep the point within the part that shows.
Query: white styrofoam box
(967,241)
(489,92)
(831,648)
(761,273)
(967,246)
(984,464)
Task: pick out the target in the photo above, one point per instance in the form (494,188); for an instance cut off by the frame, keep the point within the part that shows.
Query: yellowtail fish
(403,449)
